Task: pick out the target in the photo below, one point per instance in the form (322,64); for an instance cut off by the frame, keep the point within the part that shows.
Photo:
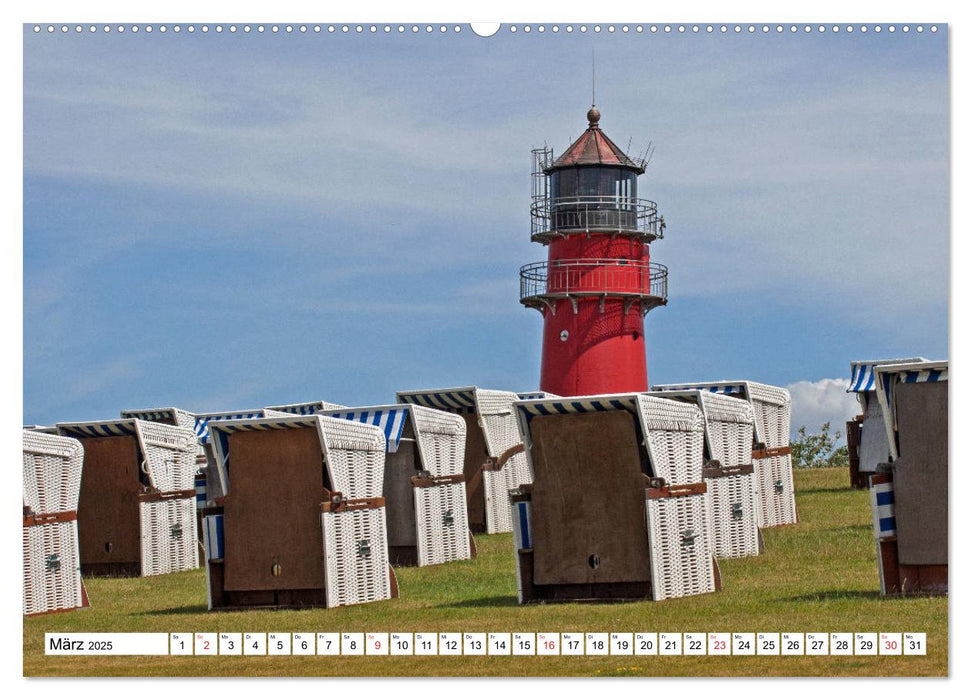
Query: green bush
(815,450)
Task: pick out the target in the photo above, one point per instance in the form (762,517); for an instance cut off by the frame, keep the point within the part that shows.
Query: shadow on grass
(183,610)
(499,601)
(833,595)
(836,489)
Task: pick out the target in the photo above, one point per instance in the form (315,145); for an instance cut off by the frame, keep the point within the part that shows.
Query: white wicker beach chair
(494,463)
(424,484)
(666,452)
(183,419)
(137,474)
(52,563)
(771,456)
(287,469)
(729,474)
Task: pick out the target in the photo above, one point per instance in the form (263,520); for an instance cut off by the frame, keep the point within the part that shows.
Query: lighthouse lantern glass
(591,197)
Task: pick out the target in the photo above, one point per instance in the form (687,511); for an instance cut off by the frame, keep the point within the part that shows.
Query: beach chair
(213,484)
(618,509)
(494,463)
(303,519)
(866,435)
(424,486)
(909,495)
(728,472)
(771,454)
(136,512)
(308,408)
(52,564)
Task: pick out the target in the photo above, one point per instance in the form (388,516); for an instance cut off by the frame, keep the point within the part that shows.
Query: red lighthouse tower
(598,282)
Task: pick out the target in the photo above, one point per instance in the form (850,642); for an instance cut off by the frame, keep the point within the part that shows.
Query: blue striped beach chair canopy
(391,419)
(457,400)
(336,435)
(158,444)
(862,375)
(740,388)
(308,408)
(533,395)
(887,377)
(494,408)
(202,420)
(169,416)
(439,436)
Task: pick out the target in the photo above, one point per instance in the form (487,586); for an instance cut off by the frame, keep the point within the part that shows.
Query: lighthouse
(598,282)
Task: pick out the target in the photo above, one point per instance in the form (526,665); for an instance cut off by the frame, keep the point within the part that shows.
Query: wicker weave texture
(497,419)
(772,423)
(734,516)
(168,535)
(675,436)
(169,454)
(52,472)
(777,498)
(678,539)
(730,443)
(441,440)
(356,568)
(443,524)
(354,453)
(52,568)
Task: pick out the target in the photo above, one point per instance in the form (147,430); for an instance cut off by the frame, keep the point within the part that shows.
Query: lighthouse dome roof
(594,148)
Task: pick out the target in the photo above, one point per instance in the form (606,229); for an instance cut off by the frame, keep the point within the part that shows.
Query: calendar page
(285,414)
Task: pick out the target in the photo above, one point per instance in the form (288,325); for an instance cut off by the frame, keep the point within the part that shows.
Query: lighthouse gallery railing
(595,214)
(542,282)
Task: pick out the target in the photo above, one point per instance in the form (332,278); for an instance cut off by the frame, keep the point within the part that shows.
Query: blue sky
(230,221)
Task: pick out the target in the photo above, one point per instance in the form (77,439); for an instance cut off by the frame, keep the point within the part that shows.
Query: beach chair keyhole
(53,562)
(364,549)
(778,486)
(736,511)
(176,531)
(448,519)
(687,538)
(594,561)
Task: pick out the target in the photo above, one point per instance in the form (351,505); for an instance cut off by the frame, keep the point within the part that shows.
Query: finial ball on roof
(593,116)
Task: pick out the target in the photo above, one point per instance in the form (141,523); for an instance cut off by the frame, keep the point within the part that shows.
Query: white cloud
(825,400)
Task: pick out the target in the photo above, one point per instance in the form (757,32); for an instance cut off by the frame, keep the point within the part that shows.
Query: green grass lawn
(817,576)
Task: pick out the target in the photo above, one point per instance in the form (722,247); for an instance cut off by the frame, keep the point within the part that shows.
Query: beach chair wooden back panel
(681,552)
(475,456)
(272,514)
(675,437)
(920,473)
(109,521)
(51,488)
(587,499)
(399,468)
